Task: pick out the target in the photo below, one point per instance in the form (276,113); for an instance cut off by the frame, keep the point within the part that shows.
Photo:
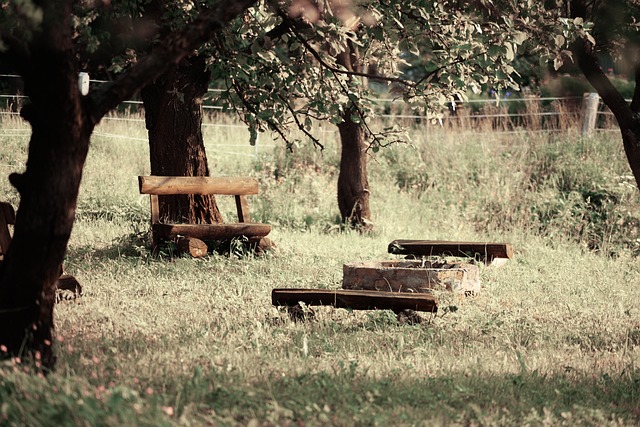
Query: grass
(553,338)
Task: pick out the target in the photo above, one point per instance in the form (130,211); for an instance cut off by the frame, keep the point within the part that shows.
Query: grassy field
(552,339)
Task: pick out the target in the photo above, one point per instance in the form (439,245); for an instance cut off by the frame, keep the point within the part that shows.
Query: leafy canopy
(280,64)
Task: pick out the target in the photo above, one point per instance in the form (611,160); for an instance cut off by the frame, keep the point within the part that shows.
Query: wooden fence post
(590,102)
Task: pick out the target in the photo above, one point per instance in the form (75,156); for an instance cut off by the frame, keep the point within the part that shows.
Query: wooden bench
(490,253)
(403,304)
(355,299)
(240,187)
(65,283)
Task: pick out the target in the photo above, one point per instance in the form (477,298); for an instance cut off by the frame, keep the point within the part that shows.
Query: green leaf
(510,54)
(520,37)
(557,62)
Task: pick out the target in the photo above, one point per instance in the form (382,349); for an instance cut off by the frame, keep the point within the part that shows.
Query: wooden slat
(155,209)
(486,250)
(242,207)
(7,216)
(166,185)
(212,231)
(354,299)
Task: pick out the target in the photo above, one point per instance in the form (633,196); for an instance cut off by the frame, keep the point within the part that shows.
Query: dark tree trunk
(48,191)
(353,184)
(62,122)
(173,112)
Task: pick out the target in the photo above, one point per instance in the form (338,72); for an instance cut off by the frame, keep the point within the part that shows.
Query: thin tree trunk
(628,116)
(353,184)
(173,113)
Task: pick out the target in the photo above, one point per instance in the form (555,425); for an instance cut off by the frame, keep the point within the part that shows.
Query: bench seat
(229,231)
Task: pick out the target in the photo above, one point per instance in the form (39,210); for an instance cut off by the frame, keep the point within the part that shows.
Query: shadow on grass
(213,393)
(347,397)
(138,245)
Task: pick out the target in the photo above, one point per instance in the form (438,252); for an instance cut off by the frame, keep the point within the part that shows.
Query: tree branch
(170,51)
(584,51)
(251,108)
(294,114)
(285,18)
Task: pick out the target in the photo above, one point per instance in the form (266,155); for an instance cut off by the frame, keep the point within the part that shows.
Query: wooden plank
(7,216)
(355,299)
(487,250)
(211,231)
(166,185)
(242,207)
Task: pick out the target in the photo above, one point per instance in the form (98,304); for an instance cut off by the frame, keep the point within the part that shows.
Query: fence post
(590,102)
(83,83)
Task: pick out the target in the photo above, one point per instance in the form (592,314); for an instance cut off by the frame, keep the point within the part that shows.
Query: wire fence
(506,115)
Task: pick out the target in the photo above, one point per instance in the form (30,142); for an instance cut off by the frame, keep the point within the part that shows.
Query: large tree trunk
(62,122)
(353,184)
(173,113)
(48,191)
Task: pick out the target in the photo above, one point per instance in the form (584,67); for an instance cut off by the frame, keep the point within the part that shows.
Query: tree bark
(353,183)
(48,191)
(173,114)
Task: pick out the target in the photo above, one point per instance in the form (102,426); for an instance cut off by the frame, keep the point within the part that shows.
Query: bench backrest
(7,217)
(239,187)
(165,185)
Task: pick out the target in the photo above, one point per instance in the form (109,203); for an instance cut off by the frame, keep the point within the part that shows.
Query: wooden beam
(211,231)
(486,250)
(355,299)
(166,185)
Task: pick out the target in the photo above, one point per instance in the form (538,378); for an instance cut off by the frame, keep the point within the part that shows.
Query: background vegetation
(552,339)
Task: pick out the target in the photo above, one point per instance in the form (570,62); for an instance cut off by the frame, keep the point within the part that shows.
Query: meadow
(552,339)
